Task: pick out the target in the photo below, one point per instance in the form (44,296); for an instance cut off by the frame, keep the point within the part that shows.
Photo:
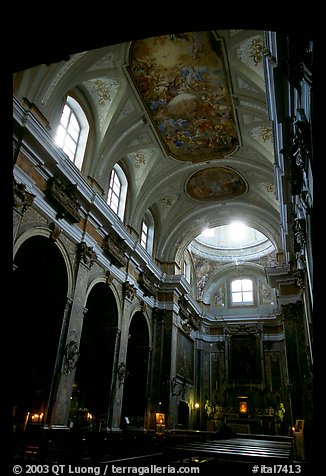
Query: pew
(244,447)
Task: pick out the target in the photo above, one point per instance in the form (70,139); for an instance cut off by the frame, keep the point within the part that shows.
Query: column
(120,371)
(59,360)
(170,365)
(156,367)
(66,376)
(118,375)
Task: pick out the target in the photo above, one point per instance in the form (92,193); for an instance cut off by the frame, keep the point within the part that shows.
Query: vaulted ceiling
(205,88)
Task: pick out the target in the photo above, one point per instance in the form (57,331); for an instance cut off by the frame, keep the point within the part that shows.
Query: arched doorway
(135,387)
(40,292)
(92,386)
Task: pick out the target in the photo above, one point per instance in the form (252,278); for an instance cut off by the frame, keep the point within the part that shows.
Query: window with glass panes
(144,234)
(114,192)
(68,133)
(242,291)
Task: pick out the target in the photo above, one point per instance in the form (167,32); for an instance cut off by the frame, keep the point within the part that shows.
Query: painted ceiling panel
(182,81)
(218,183)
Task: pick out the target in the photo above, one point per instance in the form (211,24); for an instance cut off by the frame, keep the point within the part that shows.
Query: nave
(135,448)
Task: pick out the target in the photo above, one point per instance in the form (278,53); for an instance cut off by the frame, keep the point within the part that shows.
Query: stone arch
(46,233)
(93,385)
(137,363)
(40,290)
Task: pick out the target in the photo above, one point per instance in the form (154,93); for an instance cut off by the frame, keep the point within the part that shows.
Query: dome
(233,242)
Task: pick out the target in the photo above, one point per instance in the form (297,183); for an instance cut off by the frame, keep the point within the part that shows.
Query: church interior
(162,241)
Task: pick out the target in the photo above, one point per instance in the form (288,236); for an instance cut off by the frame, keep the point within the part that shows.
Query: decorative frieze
(145,280)
(63,196)
(115,248)
(242,329)
(216,411)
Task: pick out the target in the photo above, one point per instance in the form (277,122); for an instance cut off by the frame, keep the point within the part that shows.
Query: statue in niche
(219,298)
(201,284)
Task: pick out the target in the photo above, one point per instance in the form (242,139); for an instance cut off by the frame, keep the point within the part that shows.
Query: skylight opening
(238,231)
(233,242)
(209,232)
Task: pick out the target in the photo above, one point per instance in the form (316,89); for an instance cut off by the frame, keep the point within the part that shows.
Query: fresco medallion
(217,183)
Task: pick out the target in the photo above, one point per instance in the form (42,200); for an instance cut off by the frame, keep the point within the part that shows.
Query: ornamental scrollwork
(243,329)
(22,198)
(122,373)
(63,196)
(114,248)
(71,356)
(129,291)
(299,228)
(298,152)
(256,50)
(86,254)
(145,280)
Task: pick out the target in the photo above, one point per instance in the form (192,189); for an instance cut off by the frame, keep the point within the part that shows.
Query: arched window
(242,291)
(186,270)
(117,193)
(144,233)
(147,232)
(72,132)
(187,266)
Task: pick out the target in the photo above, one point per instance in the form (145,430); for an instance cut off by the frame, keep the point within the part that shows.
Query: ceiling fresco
(182,81)
(166,154)
(218,183)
